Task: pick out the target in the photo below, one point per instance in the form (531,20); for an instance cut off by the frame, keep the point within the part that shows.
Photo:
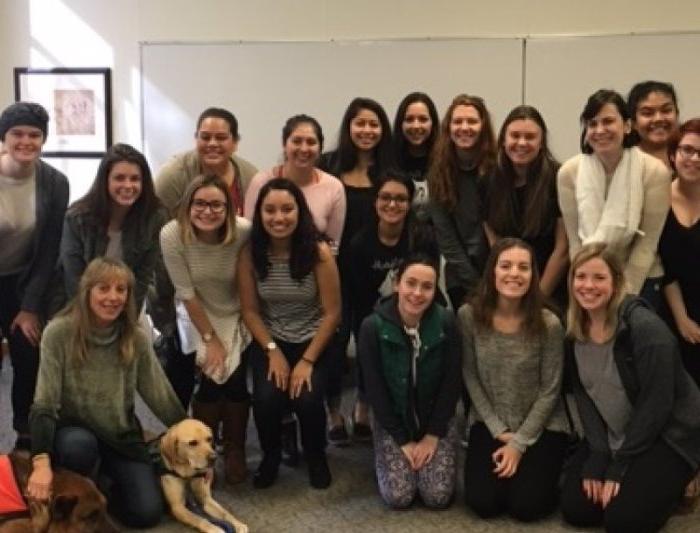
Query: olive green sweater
(98,394)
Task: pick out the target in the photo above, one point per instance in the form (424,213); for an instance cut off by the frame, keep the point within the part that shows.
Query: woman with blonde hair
(639,408)
(200,250)
(463,155)
(94,360)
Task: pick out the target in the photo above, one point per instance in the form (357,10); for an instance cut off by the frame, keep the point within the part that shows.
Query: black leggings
(271,403)
(181,372)
(24,356)
(530,494)
(653,485)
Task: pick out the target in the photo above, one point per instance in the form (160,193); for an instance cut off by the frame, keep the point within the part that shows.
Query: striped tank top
(290,309)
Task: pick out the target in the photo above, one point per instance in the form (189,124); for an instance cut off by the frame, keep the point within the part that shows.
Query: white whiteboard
(561,73)
(263,84)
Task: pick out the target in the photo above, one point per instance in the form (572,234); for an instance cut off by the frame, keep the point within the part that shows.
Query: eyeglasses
(399,199)
(688,151)
(215,207)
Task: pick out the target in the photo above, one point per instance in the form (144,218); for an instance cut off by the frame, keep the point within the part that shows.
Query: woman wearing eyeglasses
(200,249)
(374,253)
(679,246)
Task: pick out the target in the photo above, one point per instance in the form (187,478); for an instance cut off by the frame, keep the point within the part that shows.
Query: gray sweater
(514,381)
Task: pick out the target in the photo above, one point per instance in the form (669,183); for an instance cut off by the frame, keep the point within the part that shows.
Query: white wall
(46,33)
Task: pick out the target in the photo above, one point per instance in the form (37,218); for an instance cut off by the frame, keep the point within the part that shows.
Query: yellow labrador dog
(188,457)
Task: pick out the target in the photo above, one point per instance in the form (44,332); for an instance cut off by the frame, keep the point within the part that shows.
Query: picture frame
(79,103)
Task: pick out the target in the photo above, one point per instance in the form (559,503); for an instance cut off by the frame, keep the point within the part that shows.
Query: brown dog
(77,506)
(188,456)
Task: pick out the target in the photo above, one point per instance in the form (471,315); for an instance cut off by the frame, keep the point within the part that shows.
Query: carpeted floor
(351,503)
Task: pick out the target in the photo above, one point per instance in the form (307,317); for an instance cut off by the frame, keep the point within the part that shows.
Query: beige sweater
(173,179)
(641,258)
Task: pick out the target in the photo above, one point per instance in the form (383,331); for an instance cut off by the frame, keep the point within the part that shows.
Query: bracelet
(306,359)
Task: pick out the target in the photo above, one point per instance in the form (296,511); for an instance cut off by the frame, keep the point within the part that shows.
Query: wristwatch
(208,336)
(270,346)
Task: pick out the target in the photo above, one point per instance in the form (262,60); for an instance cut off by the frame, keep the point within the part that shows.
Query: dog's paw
(211,528)
(240,527)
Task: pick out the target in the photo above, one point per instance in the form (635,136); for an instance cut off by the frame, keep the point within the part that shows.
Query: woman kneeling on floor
(94,359)
(410,356)
(513,363)
(639,407)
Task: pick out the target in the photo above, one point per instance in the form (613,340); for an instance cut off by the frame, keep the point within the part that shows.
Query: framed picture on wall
(79,103)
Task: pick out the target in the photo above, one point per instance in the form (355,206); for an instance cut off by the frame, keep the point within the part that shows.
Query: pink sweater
(325,196)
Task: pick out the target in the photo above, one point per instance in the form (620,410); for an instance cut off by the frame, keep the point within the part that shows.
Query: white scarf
(613,218)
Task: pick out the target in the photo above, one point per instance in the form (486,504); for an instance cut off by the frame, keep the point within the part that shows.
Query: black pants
(337,351)
(181,372)
(652,487)
(24,356)
(135,496)
(271,403)
(530,494)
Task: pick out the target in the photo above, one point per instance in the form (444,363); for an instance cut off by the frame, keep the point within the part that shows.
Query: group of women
(275,270)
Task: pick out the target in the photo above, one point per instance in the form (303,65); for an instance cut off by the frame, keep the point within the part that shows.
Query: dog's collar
(164,471)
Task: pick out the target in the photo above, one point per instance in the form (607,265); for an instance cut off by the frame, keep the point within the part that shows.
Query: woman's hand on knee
(608,492)
(424,451)
(30,326)
(408,450)
(278,369)
(593,489)
(41,478)
(301,375)
(506,459)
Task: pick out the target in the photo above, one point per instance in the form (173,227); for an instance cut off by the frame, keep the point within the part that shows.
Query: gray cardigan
(460,233)
(665,400)
(51,201)
(84,239)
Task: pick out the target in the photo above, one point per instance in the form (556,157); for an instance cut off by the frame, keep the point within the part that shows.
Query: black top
(371,261)
(679,248)
(359,209)
(543,242)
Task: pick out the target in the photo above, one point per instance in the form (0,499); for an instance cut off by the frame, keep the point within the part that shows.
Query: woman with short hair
(33,199)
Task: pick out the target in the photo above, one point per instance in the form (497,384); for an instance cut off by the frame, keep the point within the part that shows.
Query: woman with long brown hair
(513,365)
(463,155)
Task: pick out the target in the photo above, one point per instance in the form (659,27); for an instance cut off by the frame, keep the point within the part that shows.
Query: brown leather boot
(234,417)
(208,412)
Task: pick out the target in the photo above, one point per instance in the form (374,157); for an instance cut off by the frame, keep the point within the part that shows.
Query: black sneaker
(338,435)
(319,474)
(361,432)
(266,474)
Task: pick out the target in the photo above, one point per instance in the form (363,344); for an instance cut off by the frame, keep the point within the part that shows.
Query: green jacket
(409,401)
